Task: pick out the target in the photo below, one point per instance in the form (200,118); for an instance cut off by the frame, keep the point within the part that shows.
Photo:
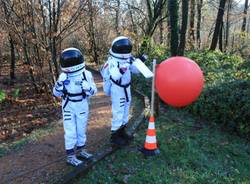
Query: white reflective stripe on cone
(151,125)
(151,139)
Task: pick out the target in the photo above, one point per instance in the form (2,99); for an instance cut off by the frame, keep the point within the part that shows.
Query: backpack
(106,78)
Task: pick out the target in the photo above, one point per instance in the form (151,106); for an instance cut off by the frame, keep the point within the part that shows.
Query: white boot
(85,155)
(72,160)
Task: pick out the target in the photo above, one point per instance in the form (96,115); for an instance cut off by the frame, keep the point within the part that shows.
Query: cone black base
(147,152)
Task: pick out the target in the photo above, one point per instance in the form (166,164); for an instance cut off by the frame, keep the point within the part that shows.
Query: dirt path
(43,161)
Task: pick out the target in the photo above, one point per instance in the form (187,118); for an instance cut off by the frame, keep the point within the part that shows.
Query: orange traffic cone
(150,145)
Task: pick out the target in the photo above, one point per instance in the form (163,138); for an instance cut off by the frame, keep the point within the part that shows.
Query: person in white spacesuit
(75,85)
(120,69)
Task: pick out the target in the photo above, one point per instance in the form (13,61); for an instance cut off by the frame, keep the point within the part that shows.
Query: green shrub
(227,104)
(226,96)
(2,95)
(220,67)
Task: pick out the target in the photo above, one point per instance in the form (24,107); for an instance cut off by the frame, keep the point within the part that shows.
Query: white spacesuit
(120,68)
(75,85)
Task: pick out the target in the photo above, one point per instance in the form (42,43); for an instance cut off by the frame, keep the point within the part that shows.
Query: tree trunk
(184,23)
(11,41)
(43,35)
(198,26)
(229,8)
(53,46)
(161,32)
(117,17)
(218,24)
(221,38)
(173,20)
(191,23)
(52,40)
(243,27)
(28,62)
(54,54)
(168,32)
(13,59)
(93,47)
(233,38)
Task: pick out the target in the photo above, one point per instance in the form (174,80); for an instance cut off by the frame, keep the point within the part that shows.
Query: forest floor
(31,132)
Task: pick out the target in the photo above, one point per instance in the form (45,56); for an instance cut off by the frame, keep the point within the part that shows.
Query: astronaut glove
(143,57)
(124,67)
(62,77)
(123,70)
(85,86)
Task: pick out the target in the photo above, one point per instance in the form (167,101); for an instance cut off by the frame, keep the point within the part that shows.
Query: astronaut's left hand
(123,70)
(124,67)
(85,86)
(143,57)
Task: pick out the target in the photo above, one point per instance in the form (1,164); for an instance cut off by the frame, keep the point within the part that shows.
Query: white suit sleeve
(58,89)
(114,70)
(133,69)
(93,90)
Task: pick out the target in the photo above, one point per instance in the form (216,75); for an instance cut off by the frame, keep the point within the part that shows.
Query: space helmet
(71,60)
(121,48)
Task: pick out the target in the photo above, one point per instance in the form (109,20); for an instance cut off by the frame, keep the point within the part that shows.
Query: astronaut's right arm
(114,70)
(57,91)
(58,88)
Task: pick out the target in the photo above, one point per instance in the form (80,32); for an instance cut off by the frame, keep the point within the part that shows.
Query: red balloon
(179,81)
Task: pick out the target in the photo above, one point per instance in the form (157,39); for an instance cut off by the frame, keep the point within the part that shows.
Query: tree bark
(244,22)
(173,20)
(11,41)
(218,24)
(43,34)
(221,38)
(184,23)
(198,26)
(53,43)
(93,46)
(13,59)
(117,17)
(233,38)
(161,32)
(28,62)
(191,23)
(229,8)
